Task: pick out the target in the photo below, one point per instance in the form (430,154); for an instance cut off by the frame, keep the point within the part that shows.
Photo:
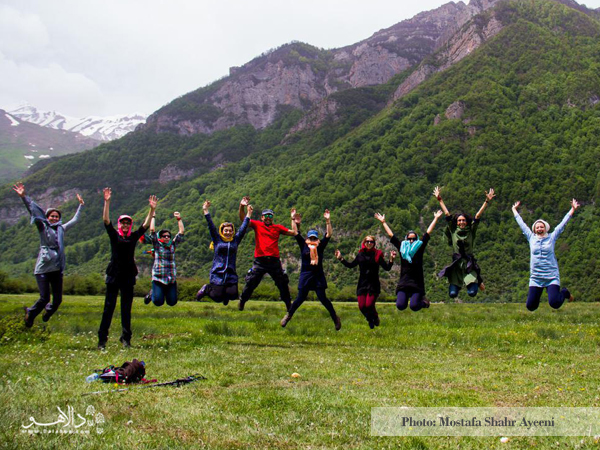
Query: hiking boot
(571,298)
(371,324)
(338,323)
(201,293)
(148,298)
(101,345)
(28,320)
(125,342)
(376,321)
(241,304)
(46,316)
(426,302)
(285,320)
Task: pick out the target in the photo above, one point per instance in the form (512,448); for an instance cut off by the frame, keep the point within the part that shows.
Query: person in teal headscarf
(412,282)
(460,233)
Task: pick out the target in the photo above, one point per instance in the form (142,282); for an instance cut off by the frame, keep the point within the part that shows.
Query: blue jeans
(416,300)
(161,291)
(472,290)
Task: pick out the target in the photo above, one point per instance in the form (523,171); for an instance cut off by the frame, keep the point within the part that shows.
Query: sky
(107,57)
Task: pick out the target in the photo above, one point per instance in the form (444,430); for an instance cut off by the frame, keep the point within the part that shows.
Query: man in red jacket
(266,255)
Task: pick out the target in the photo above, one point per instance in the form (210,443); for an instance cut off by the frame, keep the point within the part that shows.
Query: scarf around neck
(120,230)
(409,249)
(314,255)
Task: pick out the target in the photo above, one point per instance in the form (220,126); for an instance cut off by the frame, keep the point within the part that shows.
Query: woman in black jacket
(369,259)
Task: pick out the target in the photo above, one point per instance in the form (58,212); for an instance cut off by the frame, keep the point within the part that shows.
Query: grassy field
(449,355)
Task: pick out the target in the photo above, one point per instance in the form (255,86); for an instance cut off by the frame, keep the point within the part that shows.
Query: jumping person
(223,285)
(412,283)
(460,233)
(164,270)
(121,271)
(50,263)
(312,277)
(266,256)
(368,260)
(543,265)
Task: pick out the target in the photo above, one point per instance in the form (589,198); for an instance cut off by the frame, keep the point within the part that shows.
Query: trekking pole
(176,383)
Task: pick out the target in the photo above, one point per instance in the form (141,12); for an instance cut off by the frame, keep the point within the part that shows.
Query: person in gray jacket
(50,263)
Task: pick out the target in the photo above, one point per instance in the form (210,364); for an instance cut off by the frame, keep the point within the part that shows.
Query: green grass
(449,355)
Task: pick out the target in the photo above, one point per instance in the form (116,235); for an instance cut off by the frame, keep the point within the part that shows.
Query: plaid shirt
(164,270)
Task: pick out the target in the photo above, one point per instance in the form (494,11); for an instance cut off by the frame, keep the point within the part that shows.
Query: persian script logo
(68,422)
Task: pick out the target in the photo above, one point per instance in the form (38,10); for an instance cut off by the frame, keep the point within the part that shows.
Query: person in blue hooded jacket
(50,263)
(223,285)
(543,266)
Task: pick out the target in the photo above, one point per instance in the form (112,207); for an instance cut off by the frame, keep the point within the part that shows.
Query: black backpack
(129,372)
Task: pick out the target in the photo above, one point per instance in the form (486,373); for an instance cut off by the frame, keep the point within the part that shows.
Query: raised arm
(438,196)
(488,198)
(381,218)
(153,224)
(75,218)
(341,259)
(561,226)
(243,203)
(387,265)
(327,216)
(37,213)
(152,201)
(436,217)
(524,228)
(214,234)
(106,212)
(296,220)
(244,226)
(179,223)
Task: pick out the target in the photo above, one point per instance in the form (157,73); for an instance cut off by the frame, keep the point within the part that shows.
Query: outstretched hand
(80,199)
(107,194)
(575,204)
(153,201)
(245,201)
(206,205)
(393,255)
(490,195)
(327,214)
(436,193)
(439,213)
(338,255)
(250,210)
(380,217)
(515,206)
(177,215)
(19,188)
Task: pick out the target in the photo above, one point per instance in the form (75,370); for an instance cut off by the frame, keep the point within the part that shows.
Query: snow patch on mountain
(95,127)
(13,122)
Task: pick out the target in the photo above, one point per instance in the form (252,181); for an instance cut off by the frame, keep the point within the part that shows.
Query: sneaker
(338,323)
(201,293)
(371,324)
(376,321)
(241,304)
(285,320)
(426,302)
(28,320)
(125,342)
(46,316)
(101,345)
(571,298)
(148,298)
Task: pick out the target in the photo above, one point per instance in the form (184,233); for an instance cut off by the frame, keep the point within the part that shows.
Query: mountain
(299,76)
(22,144)
(520,112)
(95,127)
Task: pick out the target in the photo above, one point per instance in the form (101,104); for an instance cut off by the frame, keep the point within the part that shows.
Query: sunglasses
(313,238)
(369,242)
(162,236)
(411,239)
(268,216)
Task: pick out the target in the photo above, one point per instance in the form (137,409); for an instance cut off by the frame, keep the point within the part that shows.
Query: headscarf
(119,229)
(364,249)
(546,225)
(409,249)
(50,210)
(225,239)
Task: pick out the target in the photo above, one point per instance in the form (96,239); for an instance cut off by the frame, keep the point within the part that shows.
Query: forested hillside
(520,114)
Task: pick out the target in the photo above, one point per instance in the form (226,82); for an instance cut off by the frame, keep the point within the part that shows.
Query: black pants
(556,296)
(110,302)
(403,296)
(272,266)
(321,295)
(221,293)
(47,282)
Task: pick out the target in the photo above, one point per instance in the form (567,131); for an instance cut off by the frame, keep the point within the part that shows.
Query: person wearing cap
(223,285)
(121,271)
(50,264)
(164,270)
(543,266)
(266,256)
(412,283)
(312,276)
(368,260)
